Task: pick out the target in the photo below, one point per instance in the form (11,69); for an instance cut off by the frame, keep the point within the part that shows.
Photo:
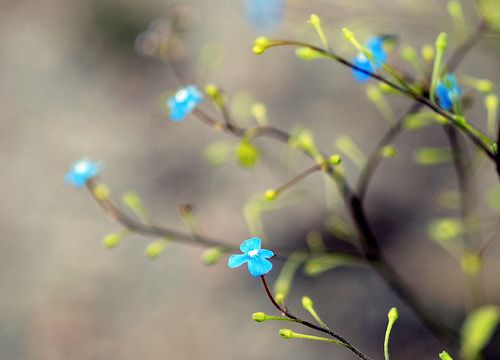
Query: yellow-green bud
(335,159)
(101,192)
(307,302)
(445,356)
(442,41)
(393,314)
(409,54)
(471,263)
(491,101)
(455,8)
(314,20)
(428,53)
(348,34)
(259,317)
(211,256)
(259,112)
(112,240)
(270,194)
(156,248)
(307,54)
(247,154)
(280,298)
(261,44)
(484,86)
(212,90)
(388,151)
(286,333)
(373,93)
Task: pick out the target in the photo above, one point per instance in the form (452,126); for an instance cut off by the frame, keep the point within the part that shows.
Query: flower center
(81,167)
(181,96)
(253,252)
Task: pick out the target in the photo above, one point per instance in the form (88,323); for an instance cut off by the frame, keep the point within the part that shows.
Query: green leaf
(477,330)
(319,265)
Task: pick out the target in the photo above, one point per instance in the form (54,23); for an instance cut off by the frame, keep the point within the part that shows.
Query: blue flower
(448,91)
(264,14)
(376,46)
(254,256)
(183,102)
(82,171)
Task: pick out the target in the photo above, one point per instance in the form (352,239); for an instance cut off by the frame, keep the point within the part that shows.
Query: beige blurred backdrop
(72,85)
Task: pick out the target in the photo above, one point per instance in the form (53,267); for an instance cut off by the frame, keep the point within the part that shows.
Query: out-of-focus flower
(376,46)
(254,256)
(448,91)
(264,15)
(82,171)
(183,102)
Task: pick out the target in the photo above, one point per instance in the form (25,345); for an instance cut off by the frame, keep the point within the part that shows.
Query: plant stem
(286,313)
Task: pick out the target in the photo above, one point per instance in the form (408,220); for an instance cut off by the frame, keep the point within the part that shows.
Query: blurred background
(86,78)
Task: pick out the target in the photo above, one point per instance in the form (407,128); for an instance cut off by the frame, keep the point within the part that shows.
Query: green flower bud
(286,333)
(247,154)
(428,53)
(442,41)
(156,248)
(101,192)
(259,317)
(307,54)
(270,194)
(393,314)
(445,356)
(261,44)
(335,159)
(388,151)
(113,240)
(211,256)
(307,302)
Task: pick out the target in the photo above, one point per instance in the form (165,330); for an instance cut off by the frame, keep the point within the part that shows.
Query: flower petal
(362,62)
(250,244)
(258,266)
(266,254)
(237,260)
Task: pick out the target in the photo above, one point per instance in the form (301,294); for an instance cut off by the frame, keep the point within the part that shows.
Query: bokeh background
(74,84)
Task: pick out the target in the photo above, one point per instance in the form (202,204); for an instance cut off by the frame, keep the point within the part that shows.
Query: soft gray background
(72,86)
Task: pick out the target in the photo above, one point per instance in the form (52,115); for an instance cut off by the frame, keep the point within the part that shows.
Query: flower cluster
(376,47)
(254,256)
(448,91)
(183,102)
(81,172)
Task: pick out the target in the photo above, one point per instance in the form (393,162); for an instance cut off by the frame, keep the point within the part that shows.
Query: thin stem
(472,132)
(394,131)
(296,179)
(286,313)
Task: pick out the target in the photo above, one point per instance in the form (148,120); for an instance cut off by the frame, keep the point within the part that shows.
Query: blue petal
(250,244)
(266,254)
(237,260)
(362,62)
(376,47)
(258,266)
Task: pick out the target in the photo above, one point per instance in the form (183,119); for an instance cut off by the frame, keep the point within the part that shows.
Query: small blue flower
(448,91)
(183,102)
(82,171)
(376,46)
(254,256)
(264,15)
